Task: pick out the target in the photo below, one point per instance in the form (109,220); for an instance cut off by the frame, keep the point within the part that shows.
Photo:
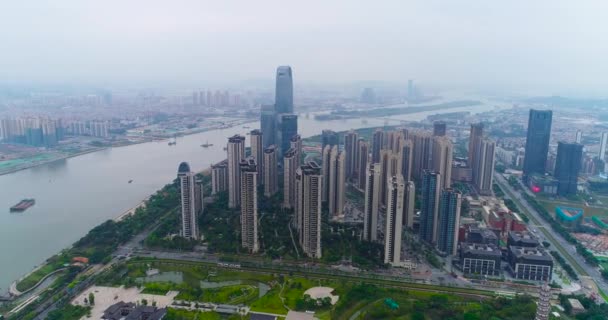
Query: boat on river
(23,205)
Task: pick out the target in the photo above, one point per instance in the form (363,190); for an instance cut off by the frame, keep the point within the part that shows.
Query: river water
(76,194)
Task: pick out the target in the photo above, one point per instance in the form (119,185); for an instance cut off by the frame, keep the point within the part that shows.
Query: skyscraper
(351,148)
(439,128)
(268,121)
(236,153)
(385,172)
(287,127)
(219,177)
(257,151)
(362,163)
(411,94)
(442,159)
(422,153)
(483,168)
(603,145)
(372,202)
(377,143)
(329,137)
(249,205)
(283,101)
(406,158)
(409,200)
(337,182)
(567,167)
(271,176)
(308,208)
(290,165)
(191,200)
(393,223)
(429,209)
(296,143)
(326,164)
(579,136)
(537,142)
(449,220)
(475,134)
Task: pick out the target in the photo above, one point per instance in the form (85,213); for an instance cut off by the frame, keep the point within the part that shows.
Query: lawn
(35,277)
(270,302)
(550,205)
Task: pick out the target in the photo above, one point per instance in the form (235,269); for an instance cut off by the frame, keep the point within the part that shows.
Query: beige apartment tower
(249,205)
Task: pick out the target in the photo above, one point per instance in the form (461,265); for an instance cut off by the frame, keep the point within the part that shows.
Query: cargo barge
(23,205)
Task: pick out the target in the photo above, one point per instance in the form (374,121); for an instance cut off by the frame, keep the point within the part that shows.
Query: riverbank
(33,165)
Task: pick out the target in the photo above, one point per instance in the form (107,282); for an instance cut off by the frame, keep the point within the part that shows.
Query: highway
(566,249)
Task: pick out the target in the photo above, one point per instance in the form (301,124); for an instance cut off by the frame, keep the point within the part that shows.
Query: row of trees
(565,265)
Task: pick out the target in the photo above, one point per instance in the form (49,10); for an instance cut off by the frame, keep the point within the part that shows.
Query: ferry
(207,144)
(23,205)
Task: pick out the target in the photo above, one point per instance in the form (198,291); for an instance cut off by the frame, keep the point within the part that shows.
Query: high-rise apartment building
(257,151)
(329,137)
(429,209)
(308,208)
(406,158)
(337,182)
(567,167)
(326,160)
(449,220)
(409,200)
(423,143)
(579,136)
(537,142)
(442,159)
(351,149)
(372,202)
(363,154)
(439,129)
(268,119)
(271,175)
(236,153)
(290,165)
(191,193)
(377,144)
(483,167)
(283,101)
(296,143)
(249,204)
(219,177)
(603,145)
(393,222)
(475,134)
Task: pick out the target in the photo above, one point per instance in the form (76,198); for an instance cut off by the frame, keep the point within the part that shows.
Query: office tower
(422,153)
(337,182)
(603,145)
(579,136)
(191,200)
(329,138)
(287,126)
(377,143)
(219,177)
(475,134)
(368,96)
(283,101)
(326,164)
(268,120)
(567,167)
(429,206)
(257,151)
(393,222)
(410,90)
(439,128)
(271,175)
(409,200)
(406,158)
(449,220)
(308,208)
(249,204)
(351,149)
(290,165)
(362,163)
(296,143)
(483,167)
(372,202)
(236,153)
(537,142)
(442,160)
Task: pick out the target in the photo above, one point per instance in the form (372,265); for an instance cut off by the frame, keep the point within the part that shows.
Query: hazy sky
(550,46)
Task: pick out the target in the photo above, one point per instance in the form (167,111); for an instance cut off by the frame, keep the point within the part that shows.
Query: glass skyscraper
(429,205)
(567,166)
(283,101)
(537,141)
(267,124)
(449,220)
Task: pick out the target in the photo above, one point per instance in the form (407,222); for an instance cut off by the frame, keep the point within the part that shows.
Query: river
(76,194)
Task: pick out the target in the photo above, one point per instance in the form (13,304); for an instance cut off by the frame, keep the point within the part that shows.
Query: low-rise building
(130,311)
(528,263)
(480,259)
(522,239)
(481,236)
(542,184)
(570,217)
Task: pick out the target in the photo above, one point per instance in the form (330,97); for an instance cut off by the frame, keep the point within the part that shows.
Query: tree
(91,298)
(144,302)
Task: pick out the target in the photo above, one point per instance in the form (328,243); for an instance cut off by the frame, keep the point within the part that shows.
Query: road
(566,249)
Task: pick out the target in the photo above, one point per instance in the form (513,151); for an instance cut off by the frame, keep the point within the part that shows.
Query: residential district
(449,218)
